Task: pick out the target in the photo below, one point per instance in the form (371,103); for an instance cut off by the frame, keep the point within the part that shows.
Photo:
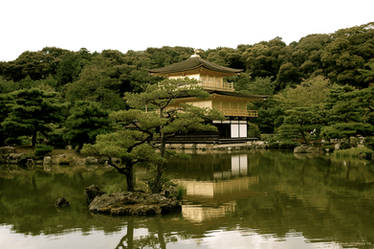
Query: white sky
(138,24)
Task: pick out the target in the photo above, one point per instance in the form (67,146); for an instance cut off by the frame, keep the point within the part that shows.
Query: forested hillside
(319,87)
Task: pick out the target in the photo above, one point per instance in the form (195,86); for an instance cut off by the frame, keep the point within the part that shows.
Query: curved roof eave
(191,64)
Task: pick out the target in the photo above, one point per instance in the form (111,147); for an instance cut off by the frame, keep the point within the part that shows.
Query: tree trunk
(33,140)
(130,178)
(128,238)
(127,171)
(160,235)
(302,132)
(159,167)
(130,233)
(162,136)
(158,185)
(80,146)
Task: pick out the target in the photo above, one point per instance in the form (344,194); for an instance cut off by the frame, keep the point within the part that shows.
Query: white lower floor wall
(238,129)
(232,128)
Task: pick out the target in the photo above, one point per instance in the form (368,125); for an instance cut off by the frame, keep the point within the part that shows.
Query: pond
(240,200)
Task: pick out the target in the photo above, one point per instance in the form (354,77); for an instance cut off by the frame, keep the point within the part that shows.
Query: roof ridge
(193,63)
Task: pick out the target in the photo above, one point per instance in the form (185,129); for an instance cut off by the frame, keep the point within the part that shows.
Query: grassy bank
(357,152)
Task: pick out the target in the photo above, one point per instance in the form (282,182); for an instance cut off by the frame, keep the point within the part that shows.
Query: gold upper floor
(208,80)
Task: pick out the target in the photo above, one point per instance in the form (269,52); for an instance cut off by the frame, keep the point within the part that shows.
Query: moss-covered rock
(304,148)
(134,203)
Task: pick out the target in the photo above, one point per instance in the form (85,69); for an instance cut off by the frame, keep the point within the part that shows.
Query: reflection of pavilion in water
(219,194)
(226,185)
(239,167)
(199,213)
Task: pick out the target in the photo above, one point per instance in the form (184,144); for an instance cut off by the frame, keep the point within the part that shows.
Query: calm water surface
(254,200)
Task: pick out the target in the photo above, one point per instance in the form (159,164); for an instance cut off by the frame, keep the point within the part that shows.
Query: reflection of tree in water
(149,241)
(322,198)
(27,199)
(127,241)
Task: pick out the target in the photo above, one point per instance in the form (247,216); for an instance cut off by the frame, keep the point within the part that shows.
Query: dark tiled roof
(193,63)
(239,94)
(224,93)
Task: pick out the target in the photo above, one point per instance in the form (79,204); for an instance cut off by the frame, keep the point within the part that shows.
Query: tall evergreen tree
(350,112)
(31,112)
(86,120)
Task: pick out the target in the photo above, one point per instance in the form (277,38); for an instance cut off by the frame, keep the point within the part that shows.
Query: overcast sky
(138,24)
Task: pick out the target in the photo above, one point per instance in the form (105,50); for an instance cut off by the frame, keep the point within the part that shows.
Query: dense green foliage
(351,113)
(31,111)
(143,133)
(42,150)
(329,77)
(85,122)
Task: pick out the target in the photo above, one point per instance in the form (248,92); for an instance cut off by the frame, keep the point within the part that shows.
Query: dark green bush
(253,131)
(56,138)
(181,191)
(346,130)
(42,150)
(369,142)
(288,144)
(345,145)
(13,141)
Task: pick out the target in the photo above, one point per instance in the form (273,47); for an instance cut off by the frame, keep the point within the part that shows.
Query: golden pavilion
(222,95)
